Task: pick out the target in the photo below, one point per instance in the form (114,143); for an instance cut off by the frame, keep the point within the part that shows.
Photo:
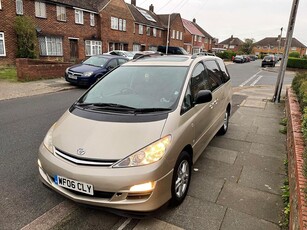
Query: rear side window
(121,61)
(214,74)
(225,74)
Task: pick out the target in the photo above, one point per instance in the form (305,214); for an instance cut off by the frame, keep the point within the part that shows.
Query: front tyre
(181,178)
(224,128)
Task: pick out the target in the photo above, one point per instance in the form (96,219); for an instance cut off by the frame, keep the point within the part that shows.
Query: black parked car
(93,68)
(238,59)
(172,50)
(268,61)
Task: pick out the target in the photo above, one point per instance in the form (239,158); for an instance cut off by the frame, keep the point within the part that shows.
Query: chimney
(133,2)
(151,8)
(194,20)
(231,37)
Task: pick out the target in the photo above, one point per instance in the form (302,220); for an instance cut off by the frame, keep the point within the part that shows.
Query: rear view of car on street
(92,69)
(238,59)
(130,142)
(268,60)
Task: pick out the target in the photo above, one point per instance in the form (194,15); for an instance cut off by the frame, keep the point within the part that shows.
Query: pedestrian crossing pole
(284,61)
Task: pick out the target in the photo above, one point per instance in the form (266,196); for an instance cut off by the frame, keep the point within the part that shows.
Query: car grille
(82,161)
(74,74)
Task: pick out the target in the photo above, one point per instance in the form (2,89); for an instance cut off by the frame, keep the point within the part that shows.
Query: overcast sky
(242,18)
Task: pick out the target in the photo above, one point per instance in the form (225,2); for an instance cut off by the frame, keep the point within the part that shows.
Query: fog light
(39,163)
(142,187)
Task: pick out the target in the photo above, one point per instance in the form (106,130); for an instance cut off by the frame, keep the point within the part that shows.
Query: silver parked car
(131,140)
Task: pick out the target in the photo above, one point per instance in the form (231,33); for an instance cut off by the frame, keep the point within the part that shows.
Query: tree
(26,37)
(247,46)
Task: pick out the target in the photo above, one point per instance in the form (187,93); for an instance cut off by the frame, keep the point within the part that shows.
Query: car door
(198,116)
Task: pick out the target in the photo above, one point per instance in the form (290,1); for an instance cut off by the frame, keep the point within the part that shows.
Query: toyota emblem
(80,151)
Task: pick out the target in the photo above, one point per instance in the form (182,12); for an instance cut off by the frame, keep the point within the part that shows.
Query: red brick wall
(295,149)
(49,26)
(28,69)
(178,26)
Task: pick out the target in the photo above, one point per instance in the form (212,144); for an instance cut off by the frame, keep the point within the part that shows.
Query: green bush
(297,63)
(226,55)
(294,54)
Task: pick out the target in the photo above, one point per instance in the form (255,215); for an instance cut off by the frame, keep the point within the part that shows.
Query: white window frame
(177,35)
(40,9)
(154,32)
(293,48)
(3,43)
(181,35)
(92,19)
(120,24)
(199,38)
(124,25)
(231,47)
(93,47)
(19,7)
(55,43)
(195,38)
(114,23)
(141,29)
(174,34)
(0,5)
(136,47)
(79,17)
(148,31)
(61,13)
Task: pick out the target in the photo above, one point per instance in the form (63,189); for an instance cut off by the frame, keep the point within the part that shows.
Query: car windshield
(96,61)
(138,87)
(183,51)
(129,54)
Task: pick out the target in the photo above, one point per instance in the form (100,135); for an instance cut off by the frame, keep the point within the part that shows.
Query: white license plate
(72,76)
(74,185)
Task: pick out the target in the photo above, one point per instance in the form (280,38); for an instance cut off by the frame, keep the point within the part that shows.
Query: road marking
(255,82)
(52,217)
(251,78)
(124,224)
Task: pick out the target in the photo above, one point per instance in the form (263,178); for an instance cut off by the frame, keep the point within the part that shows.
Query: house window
(174,34)
(231,47)
(51,46)
(206,40)
(114,23)
(199,38)
(19,7)
(0,5)
(136,47)
(154,32)
(148,31)
(92,19)
(124,25)
(40,9)
(177,35)
(2,45)
(61,13)
(293,48)
(78,16)
(140,29)
(195,38)
(120,24)
(181,36)
(93,48)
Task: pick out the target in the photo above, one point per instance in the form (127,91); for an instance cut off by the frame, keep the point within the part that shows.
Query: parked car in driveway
(123,53)
(92,69)
(238,59)
(130,141)
(172,50)
(268,60)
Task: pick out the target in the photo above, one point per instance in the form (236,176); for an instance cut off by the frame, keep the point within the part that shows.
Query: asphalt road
(23,125)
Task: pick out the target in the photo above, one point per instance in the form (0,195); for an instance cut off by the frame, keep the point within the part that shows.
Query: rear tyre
(224,128)
(181,179)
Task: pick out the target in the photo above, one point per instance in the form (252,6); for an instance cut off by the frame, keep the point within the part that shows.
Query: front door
(74,50)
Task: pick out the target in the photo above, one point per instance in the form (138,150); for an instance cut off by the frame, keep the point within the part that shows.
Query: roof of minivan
(168,60)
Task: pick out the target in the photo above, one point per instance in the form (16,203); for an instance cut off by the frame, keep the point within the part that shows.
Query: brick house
(272,45)
(196,39)
(232,43)
(64,32)
(71,30)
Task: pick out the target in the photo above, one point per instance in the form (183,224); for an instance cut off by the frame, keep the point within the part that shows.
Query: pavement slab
(277,141)
(262,180)
(278,152)
(235,145)
(263,205)
(147,224)
(194,214)
(235,220)
(219,154)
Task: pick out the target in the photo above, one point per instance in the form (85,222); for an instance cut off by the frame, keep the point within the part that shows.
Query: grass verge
(8,73)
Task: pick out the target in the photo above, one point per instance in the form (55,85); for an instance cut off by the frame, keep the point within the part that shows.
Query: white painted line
(124,224)
(255,82)
(52,217)
(251,78)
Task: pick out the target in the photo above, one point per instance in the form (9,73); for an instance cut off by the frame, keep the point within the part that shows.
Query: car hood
(81,68)
(101,139)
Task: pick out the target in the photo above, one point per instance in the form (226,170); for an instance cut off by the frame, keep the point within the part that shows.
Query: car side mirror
(109,68)
(203,96)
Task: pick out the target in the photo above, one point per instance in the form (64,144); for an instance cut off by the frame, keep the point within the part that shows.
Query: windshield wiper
(112,106)
(151,110)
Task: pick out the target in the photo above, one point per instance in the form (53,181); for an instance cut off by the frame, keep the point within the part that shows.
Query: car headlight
(48,139)
(148,155)
(66,71)
(87,74)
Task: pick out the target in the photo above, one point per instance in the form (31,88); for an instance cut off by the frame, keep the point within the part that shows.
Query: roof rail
(202,54)
(148,55)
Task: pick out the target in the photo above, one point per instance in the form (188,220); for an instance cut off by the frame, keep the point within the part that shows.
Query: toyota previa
(131,140)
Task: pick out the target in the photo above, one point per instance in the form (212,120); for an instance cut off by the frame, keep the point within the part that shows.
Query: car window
(112,64)
(199,80)
(121,61)
(214,74)
(225,74)
(96,61)
(187,100)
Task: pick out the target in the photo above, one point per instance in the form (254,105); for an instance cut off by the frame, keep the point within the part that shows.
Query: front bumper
(82,81)
(111,185)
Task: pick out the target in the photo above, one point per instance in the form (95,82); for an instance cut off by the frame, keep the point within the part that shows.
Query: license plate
(72,76)
(74,185)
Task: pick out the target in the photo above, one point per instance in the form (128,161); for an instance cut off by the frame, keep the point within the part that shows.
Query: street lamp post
(279,42)
(167,39)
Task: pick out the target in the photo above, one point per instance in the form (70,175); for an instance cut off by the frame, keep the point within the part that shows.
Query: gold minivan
(131,140)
